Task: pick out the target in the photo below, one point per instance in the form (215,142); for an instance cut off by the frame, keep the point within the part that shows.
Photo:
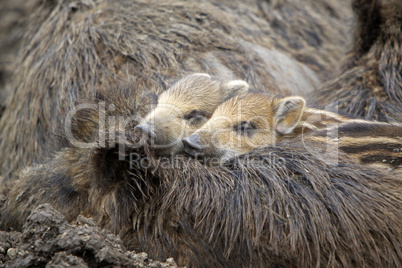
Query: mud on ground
(49,241)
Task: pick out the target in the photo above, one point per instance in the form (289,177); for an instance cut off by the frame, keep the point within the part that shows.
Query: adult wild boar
(369,83)
(72,48)
(276,206)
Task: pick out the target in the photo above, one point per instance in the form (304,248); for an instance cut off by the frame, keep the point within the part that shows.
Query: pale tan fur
(185,107)
(251,120)
(220,137)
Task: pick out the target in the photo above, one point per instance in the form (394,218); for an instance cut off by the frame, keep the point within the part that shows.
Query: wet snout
(147,129)
(192,145)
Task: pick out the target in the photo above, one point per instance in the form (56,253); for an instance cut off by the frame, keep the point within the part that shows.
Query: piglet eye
(245,128)
(195,117)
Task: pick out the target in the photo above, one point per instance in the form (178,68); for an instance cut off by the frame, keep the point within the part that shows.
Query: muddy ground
(49,241)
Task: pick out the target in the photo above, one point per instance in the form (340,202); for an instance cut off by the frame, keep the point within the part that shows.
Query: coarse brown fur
(13,25)
(277,206)
(369,84)
(290,209)
(256,119)
(71,48)
(185,107)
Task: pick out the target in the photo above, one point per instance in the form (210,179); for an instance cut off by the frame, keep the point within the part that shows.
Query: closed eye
(195,117)
(245,128)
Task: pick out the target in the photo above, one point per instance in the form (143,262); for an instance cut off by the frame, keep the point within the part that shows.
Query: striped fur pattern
(277,206)
(268,120)
(184,108)
(374,143)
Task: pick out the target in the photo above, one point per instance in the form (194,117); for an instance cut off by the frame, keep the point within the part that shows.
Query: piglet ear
(234,88)
(288,112)
(200,74)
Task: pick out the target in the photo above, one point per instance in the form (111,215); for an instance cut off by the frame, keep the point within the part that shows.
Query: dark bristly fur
(13,23)
(71,48)
(285,208)
(277,206)
(370,82)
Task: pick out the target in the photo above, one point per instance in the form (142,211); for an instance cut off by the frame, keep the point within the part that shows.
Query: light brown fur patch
(374,143)
(185,107)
